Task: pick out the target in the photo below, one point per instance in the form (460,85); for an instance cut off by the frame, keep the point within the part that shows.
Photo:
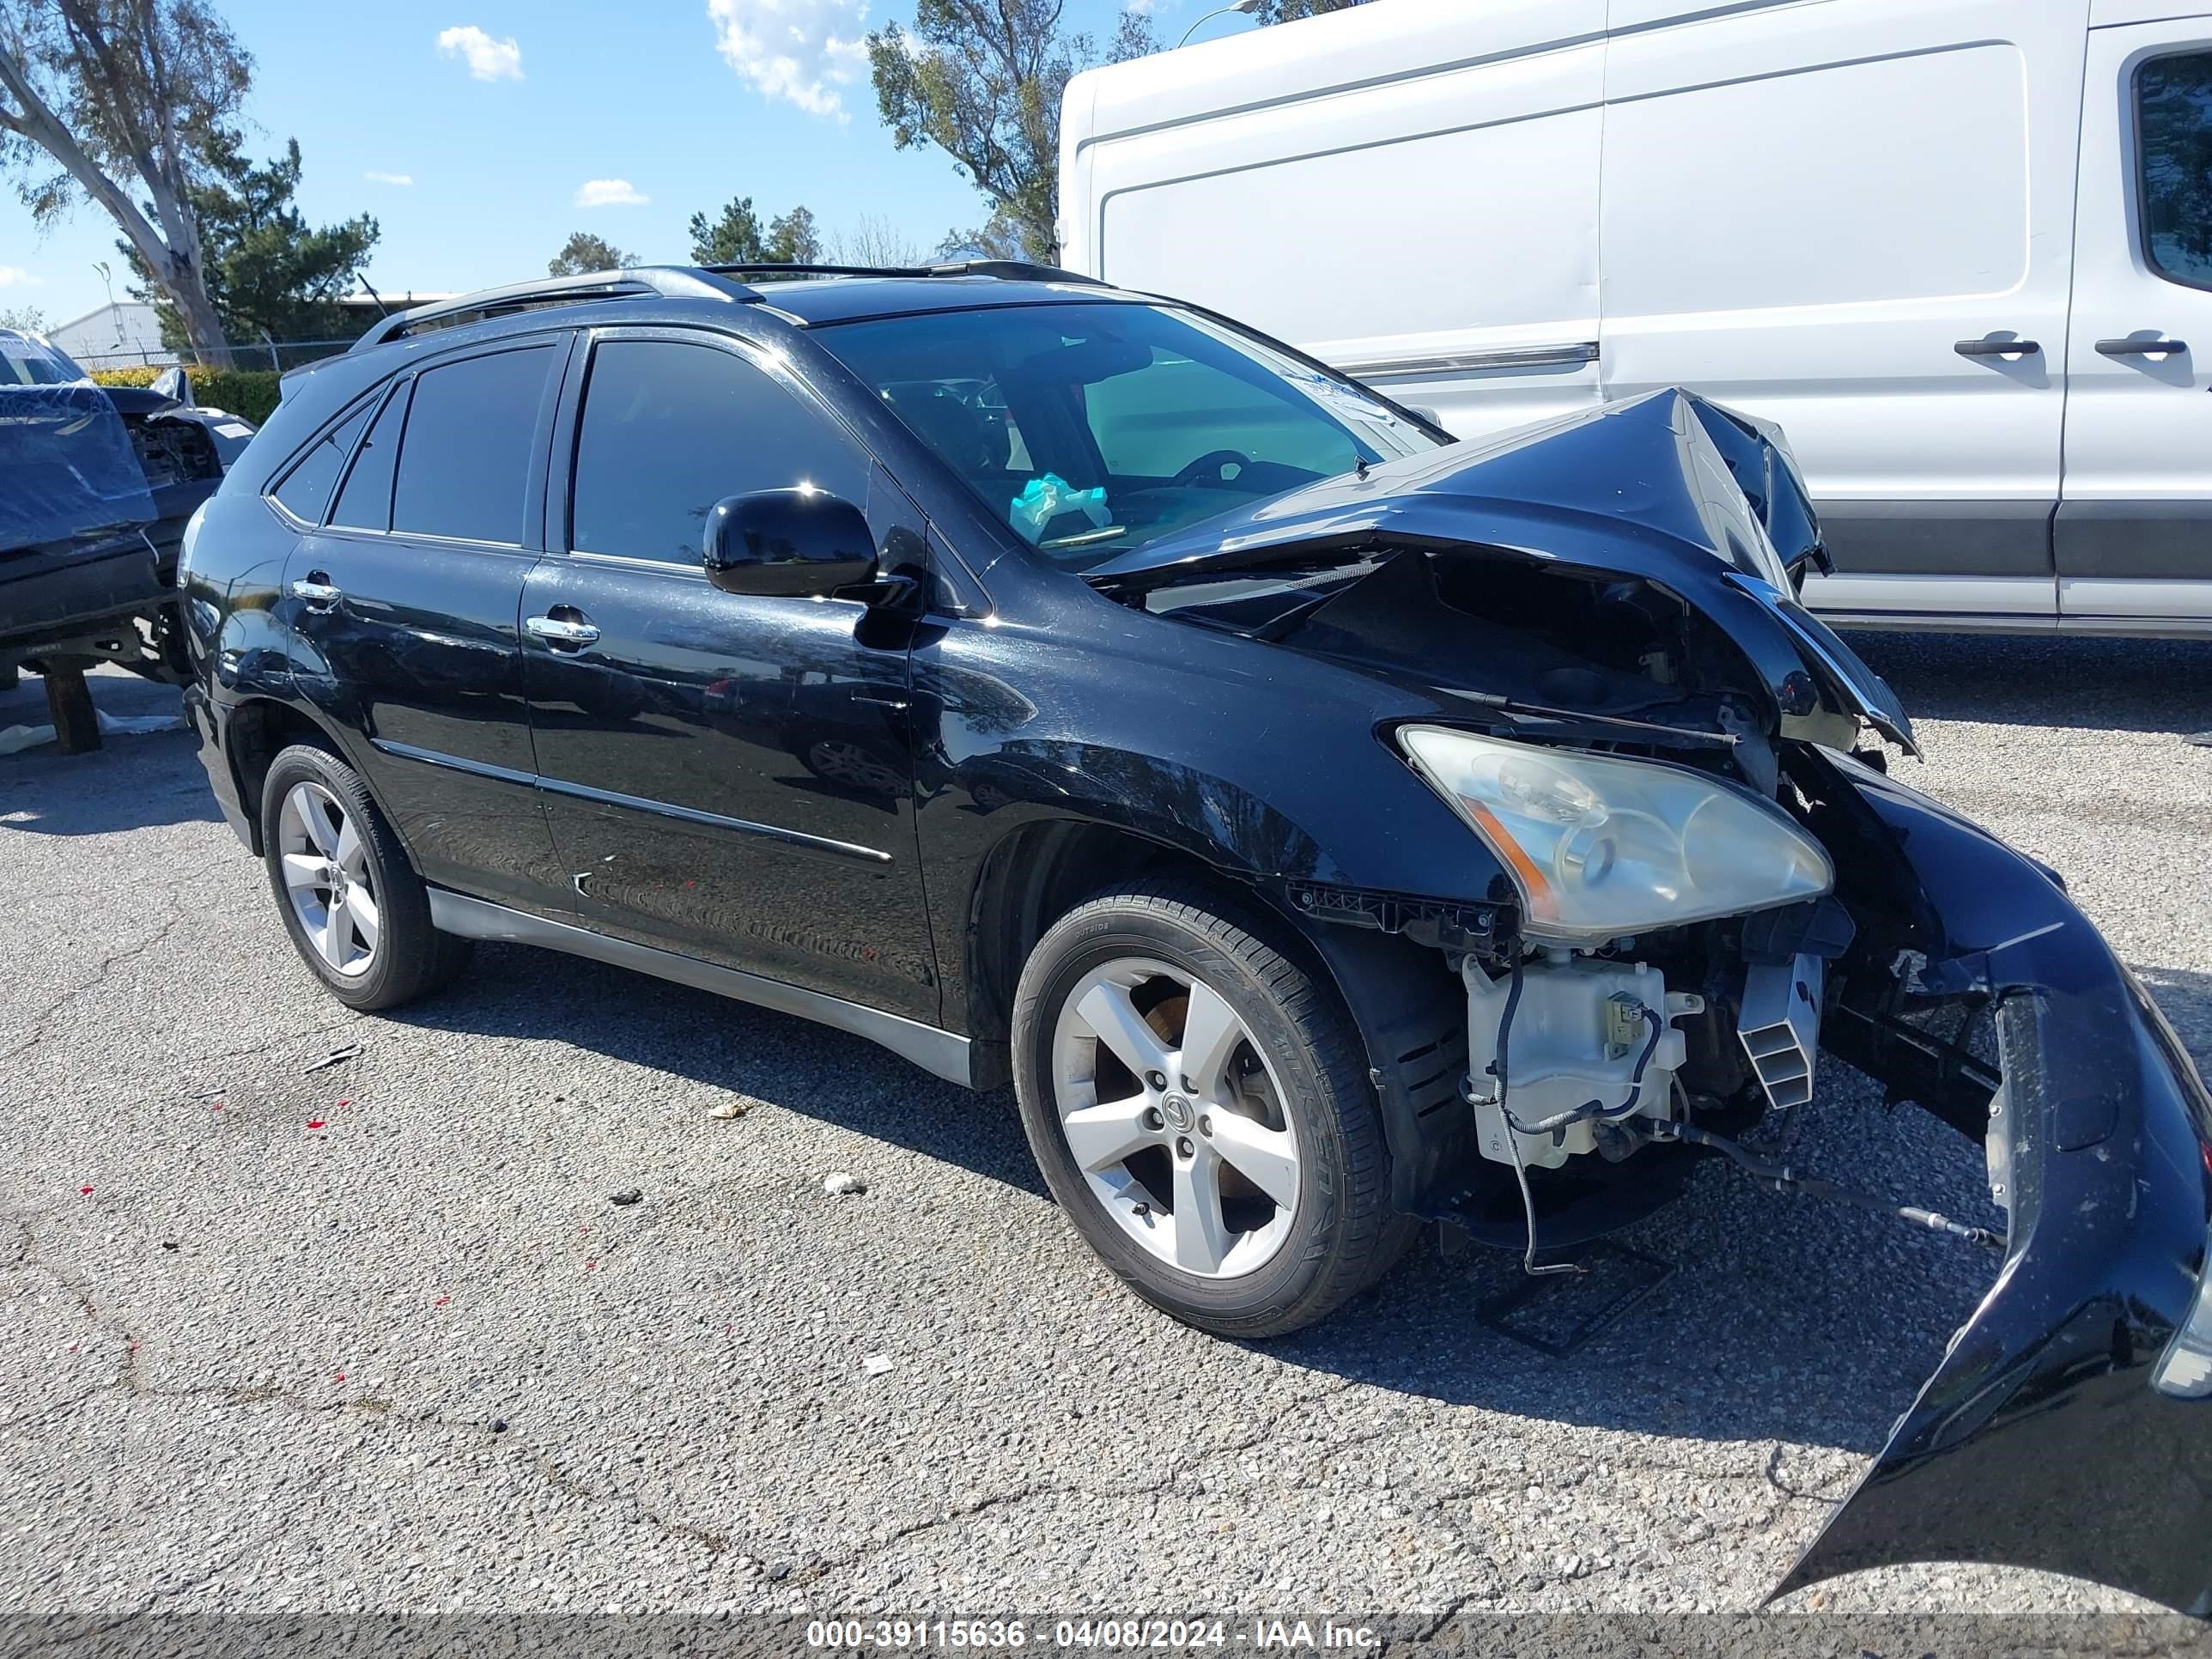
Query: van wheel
(1199,1105)
(357,913)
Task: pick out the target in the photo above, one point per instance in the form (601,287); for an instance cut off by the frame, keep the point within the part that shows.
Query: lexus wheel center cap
(1177,1111)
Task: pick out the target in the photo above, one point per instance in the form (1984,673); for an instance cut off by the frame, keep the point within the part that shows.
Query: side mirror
(174,385)
(788,543)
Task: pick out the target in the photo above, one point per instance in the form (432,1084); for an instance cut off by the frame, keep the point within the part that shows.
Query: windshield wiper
(1084,538)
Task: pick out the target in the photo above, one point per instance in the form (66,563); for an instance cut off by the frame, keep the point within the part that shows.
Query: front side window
(1093,428)
(464,461)
(2174,118)
(670,427)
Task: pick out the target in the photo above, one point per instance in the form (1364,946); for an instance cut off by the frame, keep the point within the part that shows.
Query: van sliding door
(2135,526)
(1854,219)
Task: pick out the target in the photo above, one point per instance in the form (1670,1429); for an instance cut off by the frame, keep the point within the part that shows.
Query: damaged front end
(1704,881)
(2070,1426)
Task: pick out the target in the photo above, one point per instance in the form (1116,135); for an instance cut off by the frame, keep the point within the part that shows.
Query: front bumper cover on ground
(2041,1440)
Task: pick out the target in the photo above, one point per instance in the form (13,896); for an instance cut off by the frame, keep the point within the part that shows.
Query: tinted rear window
(306,491)
(464,462)
(365,500)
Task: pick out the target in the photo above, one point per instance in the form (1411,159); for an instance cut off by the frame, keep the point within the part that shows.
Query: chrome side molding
(1475,362)
(940,1052)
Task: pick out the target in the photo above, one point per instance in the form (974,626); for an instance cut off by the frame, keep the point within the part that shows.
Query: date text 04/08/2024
(1113,1635)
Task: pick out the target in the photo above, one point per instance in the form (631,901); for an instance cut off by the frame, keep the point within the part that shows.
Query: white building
(120,335)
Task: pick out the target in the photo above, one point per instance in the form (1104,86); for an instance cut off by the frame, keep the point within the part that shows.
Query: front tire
(357,911)
(1198,1102)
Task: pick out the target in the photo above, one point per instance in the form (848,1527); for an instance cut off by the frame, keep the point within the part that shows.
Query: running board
(938,1052)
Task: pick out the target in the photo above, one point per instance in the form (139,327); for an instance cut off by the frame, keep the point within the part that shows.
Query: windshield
(1094,428)
(27,361)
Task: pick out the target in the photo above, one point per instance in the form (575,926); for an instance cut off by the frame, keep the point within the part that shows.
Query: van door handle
(2140,348)
(568,633)
(316,589)
(1998,348)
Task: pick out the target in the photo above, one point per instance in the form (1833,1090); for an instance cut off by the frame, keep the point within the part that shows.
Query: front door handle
(1998,348)
(2140,348)
(569,633)
(316,589)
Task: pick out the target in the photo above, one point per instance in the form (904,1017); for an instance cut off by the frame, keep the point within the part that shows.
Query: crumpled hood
(1666,488)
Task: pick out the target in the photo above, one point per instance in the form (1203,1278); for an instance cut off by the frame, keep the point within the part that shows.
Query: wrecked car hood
(1667,489)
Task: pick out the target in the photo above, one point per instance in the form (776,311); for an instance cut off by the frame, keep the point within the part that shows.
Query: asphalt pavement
(375,1335)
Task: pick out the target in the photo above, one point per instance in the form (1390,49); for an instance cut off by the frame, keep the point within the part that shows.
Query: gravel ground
(374,1337)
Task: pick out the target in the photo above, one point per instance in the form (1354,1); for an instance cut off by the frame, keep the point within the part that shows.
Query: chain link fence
(266,354)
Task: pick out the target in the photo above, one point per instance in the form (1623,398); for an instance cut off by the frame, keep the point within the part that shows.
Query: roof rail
(1012,270)
(666,282)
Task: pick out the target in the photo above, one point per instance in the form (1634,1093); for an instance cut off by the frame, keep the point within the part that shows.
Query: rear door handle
(316,589)
(2140,348)
(1998,348)
(563,633)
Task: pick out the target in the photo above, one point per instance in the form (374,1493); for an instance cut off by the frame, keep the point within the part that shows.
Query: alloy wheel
(328,879)
(1175,1118)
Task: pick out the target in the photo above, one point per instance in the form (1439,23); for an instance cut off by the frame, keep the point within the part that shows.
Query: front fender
(2041,1440)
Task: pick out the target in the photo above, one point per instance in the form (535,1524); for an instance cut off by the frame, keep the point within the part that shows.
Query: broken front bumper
(2070,1426)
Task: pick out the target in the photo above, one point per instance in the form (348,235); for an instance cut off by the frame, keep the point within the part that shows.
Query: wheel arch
(1404,1002)
(256,730)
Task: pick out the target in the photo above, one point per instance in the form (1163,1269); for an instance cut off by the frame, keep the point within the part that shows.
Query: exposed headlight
(2185,1370)
(1600,846)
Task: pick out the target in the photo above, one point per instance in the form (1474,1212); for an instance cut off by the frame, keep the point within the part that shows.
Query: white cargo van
(1962,250)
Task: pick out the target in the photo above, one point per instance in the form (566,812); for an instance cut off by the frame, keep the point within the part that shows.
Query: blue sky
(681,104)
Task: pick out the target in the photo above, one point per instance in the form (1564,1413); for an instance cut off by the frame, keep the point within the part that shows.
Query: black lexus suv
(1325,827)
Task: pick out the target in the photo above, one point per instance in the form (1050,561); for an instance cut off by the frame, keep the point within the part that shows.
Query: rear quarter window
(306,491)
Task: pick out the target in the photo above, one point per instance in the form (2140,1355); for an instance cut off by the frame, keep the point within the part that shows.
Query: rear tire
(357,913)
(1172,1060)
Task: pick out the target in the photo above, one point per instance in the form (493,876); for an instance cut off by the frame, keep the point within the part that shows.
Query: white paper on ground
(16,738)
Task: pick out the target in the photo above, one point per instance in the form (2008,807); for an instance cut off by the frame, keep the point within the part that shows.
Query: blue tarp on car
(66,467)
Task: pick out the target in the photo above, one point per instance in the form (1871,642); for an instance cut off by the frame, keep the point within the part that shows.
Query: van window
(307,490)
(2173,114)
(464,463)
(669,428)
(1790,190)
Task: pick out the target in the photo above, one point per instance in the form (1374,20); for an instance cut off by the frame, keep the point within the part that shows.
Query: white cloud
(804,52)
(376,178)
(1142,8)
(610,192)
(488,59)
(16,277)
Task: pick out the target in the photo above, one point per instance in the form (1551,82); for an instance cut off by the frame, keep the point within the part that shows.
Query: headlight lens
(1600,846)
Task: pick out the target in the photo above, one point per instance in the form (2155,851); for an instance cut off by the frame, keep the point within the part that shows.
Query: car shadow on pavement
(136,781)
(515,991)
(2119,685)
(1782,1319)
(1779,1319)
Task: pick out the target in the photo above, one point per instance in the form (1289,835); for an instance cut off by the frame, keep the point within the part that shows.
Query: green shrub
(249,394)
